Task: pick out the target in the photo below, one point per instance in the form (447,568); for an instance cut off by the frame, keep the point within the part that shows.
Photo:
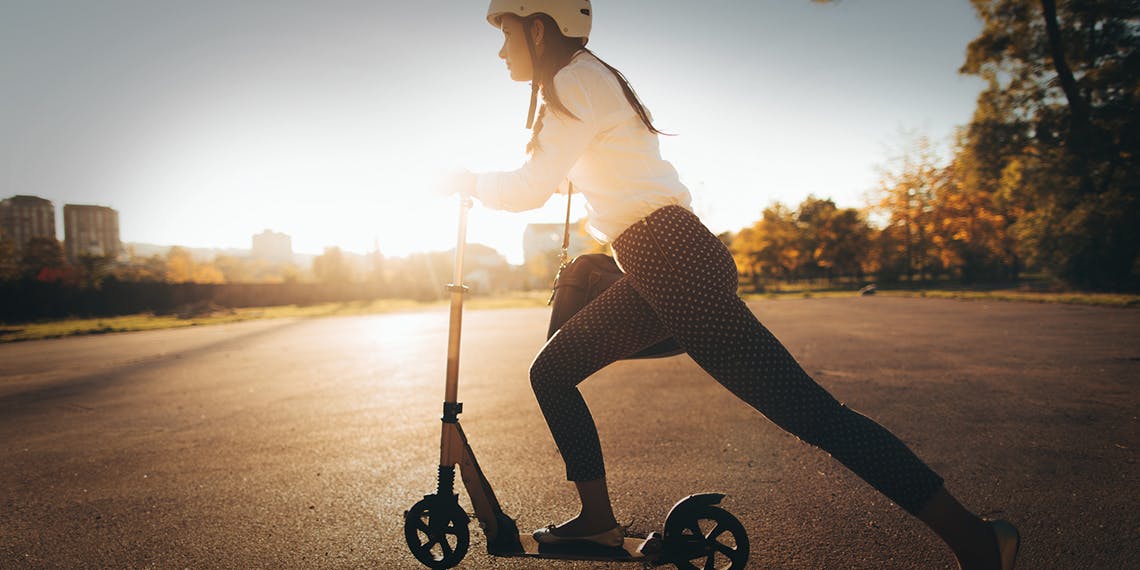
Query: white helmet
(572,16)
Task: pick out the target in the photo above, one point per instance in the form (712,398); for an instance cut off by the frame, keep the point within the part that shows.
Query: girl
(680,281)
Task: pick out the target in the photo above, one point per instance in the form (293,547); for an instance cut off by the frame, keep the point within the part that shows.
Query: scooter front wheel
(706,538)
(435,529)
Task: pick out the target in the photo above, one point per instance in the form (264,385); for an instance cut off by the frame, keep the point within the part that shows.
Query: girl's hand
(460,182)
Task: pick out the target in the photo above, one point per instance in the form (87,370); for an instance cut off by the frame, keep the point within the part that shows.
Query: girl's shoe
(611,538)
(1009,542)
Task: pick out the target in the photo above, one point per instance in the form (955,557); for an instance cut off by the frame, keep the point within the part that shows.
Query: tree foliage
(938,225)
(140,269)
(179,266)
(815,241)
(331,267)
(43,260)
(9,259)
(1055,136)
(92,269)
(909,188)
(1046,175)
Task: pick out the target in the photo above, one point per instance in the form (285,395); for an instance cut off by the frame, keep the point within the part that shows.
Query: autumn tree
(182,268)
(907,190)
(972,225)
(834,242)
(207,273)
(768,249)
(816,241)
(814,238)
(847,250)
(234,269)
(43,259)
(93,269)
(140,268)
(332,267)
(179,265)
(1055,137)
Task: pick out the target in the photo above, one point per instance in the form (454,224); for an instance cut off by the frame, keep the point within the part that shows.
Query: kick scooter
(697,533)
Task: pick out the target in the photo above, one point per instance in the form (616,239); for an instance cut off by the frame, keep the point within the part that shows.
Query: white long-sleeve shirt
(609,155)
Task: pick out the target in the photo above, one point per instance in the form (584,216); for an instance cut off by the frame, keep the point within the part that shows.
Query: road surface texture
(299,443)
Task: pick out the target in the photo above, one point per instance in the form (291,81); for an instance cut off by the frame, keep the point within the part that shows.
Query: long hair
(558,50)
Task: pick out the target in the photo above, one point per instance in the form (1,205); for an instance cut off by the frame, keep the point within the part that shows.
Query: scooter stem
(457,289)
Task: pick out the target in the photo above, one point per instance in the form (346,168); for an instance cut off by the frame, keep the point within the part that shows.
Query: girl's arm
(561,141)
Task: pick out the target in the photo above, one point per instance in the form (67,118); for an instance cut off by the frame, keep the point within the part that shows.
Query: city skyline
(270,245)
(266,244)
(86,229)
(204,123)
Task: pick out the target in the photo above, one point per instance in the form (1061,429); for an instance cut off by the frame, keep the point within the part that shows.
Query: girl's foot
(612,537)
(1008,542)
(582,529)
(997,552)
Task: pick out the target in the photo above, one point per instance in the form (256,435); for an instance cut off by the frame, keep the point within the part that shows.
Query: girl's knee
(541,377)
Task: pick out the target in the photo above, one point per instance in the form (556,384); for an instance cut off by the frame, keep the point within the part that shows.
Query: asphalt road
(299,444)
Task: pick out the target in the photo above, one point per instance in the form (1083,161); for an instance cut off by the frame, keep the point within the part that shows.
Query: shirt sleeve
(561,142)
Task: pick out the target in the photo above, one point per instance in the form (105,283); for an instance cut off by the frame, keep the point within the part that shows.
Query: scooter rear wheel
(709,537)
(436,532)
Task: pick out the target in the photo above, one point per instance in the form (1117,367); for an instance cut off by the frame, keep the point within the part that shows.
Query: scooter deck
(631,551)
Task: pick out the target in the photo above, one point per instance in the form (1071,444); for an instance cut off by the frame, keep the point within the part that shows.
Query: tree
(1054,144)
(847,247)
(834,242)
(43,259)
(815,239)
(972,221)
(93,269)
(769,249)
(179,265)
(9,259)
(140,269)
(908,187)
(207,273)
(234,269)
(331,267)
(1059,118)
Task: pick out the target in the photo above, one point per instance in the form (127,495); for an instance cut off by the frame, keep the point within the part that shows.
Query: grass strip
(129,323)
(1120,300)
(82,326)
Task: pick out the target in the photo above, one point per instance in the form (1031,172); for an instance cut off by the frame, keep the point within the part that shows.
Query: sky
(204,122)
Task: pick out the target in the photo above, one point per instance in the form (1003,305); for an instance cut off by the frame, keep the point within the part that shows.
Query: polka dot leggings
(681,281)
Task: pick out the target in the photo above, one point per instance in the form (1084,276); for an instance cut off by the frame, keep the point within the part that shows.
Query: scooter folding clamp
(451,411)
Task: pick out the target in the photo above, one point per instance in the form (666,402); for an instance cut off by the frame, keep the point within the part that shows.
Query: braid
(533,145)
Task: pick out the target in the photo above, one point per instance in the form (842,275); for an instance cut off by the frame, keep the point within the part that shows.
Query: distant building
(545,240)
(25,217)
(485,268)
(90,230)
(272,246)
